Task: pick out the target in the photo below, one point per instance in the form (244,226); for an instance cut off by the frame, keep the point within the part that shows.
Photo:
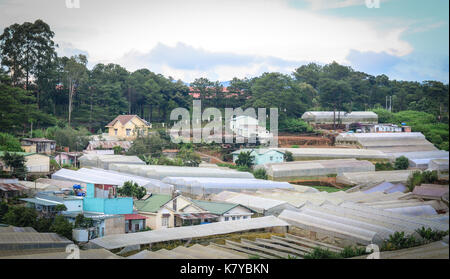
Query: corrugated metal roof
(219,208)
(6,187)
(152,204)
(122,240)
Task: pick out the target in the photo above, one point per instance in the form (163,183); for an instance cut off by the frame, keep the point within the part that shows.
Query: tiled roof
(134,216)
(152,204)
(124,119)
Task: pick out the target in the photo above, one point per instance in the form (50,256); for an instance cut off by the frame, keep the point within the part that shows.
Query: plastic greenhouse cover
(122,240)
(65,174)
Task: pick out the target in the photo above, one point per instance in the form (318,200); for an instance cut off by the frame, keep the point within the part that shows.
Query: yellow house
(127,127)
(163,211)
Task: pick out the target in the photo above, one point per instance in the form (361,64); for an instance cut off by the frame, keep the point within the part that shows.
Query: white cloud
(109,29)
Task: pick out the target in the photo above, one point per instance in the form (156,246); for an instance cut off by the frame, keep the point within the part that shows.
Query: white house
(248,127)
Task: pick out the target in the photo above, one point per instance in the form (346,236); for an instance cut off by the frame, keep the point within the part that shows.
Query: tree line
(39,89)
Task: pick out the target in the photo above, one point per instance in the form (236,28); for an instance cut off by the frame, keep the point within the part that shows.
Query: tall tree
(75,73)
(27,49)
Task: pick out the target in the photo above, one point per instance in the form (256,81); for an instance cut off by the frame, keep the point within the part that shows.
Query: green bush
(320,253)
(289,156)
(399,240)
(62,227)
(260,174)
(417,178)
(401,163)
(383,166)
(431,235)
(293,125)
(9,143)
(348,252)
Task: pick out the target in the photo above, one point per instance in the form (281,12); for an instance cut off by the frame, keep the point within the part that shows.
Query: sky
(222,39)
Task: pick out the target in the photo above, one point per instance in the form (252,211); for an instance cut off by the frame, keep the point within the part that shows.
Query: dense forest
(38,89)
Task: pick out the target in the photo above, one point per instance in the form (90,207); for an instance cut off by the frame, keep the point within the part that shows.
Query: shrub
(9,143)
(399,240)
(414,179)
(320,253)
(62,227)
(401,163)
(295,146)
(260,174)
(350,252)
(289,156)
(383,166)
(431,235)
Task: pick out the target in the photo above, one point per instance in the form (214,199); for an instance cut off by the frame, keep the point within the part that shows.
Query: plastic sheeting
(355,178)
(98,176)
(360,223)
(160,172)
(387,187)
(103,161)
(213,185)
(335,153)
(152,185)
(414,210)
(141,238)
(328,117)
(305,169)
(388,142)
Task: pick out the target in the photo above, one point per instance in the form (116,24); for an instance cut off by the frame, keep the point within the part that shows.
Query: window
(128,132)
(271,158)
(136,227)
(244,217)
(227,218)
(238,218)
(115,132)
(233,218)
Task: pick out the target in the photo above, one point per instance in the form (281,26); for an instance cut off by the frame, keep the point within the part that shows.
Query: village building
(261,156)
(35,163)
(226,211)
(38,145)
(69,158)
(128,127)
(10,188)
(248,127)
(165,211)
(46,202)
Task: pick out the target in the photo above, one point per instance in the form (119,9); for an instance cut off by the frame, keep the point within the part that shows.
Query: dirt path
(212,159)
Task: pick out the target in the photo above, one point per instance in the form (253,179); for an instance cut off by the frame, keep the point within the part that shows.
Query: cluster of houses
(213,197)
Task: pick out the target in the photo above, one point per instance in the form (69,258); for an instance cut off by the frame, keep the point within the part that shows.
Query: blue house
(103,198)
(261,156)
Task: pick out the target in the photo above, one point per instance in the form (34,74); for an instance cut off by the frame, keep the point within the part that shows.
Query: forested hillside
(41,89)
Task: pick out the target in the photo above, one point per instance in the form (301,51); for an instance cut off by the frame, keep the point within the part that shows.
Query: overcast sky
(221,39)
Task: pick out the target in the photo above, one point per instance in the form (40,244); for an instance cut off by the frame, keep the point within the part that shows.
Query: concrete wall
(115,225)
(37,163)
(109,206)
